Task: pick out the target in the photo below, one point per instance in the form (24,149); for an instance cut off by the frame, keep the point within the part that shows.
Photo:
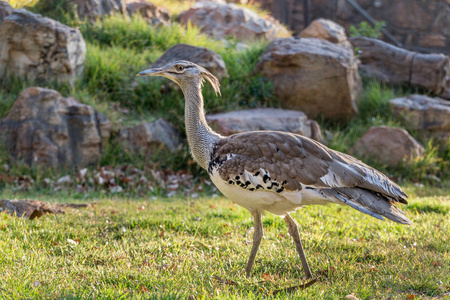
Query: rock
(426,114)
(32,209)
(153,14)
(313,75)
(326,30)
(388,63)
(265,119)
(414,23)
(5,10)
(388,145)
(221,20)
(148,138)
(206,58)
(94,9)
(46,129)
(39,48)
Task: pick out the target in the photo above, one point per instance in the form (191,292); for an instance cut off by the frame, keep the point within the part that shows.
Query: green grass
(180,248)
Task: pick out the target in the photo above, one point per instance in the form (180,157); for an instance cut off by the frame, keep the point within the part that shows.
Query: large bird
(276,171)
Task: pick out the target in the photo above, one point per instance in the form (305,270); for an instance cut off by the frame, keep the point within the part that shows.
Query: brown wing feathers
(297,160)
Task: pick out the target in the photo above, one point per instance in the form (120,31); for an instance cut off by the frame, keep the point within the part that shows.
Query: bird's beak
(151,72)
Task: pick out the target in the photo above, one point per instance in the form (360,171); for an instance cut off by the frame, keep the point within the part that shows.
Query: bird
(277,172)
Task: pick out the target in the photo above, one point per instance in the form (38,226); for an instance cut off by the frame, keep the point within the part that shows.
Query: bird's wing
(284,161)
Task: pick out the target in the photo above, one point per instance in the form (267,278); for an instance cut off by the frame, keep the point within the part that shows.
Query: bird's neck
(201,137)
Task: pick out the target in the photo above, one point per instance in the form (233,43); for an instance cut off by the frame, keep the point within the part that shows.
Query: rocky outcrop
(388,63)
(5,10)
(153,14)
(91,10)
(220,20)
(428,115)
(326,30)
(206,58)
(148,138)
(265,119)
(39,48)
(414,23)
(313,75)
(388,145)
(47,129)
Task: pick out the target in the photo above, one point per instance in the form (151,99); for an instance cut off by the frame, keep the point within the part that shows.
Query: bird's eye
(180,68)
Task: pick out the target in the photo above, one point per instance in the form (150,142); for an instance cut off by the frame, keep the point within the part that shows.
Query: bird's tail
(368,202)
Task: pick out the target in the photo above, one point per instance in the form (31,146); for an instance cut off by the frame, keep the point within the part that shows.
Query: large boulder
(91,10)
(45,128)
(388,145)
(220,20)
(428,115)
(5,10)
(313,75)
(206,58)
(153,14)
(35,47)
(388,63)
(148,138)
(326,30)
(265,119)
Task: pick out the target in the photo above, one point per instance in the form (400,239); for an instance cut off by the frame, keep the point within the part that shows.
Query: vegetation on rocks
(119,47)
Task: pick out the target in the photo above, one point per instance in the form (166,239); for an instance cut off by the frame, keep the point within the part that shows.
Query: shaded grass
(179,248)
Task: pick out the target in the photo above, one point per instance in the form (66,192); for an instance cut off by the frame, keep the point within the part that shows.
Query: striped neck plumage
(201,137)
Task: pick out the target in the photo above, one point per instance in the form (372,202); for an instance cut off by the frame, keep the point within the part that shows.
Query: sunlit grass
(180,248)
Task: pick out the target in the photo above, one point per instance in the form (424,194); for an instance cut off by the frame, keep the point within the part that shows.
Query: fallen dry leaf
(436,264)
(410,296)
(225,281)
(267,277)
(7,178)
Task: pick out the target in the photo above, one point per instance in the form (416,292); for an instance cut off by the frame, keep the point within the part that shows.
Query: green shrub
(365,29)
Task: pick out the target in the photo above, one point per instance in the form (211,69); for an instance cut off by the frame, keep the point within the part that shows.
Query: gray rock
(94,9)
(5,10)
(313,75)
(388,63)
(265,119)
(44,128)
(428,115)
(388,145)
(220,20)
(153,14)
(206,58)
(148,138)
(35,47)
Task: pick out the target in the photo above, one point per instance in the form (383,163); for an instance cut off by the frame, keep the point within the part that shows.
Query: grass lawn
(182,248)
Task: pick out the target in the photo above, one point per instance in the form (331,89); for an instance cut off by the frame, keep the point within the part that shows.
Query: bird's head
(184,73)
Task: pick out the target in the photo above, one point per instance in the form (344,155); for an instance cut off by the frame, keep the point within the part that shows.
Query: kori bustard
(276,171)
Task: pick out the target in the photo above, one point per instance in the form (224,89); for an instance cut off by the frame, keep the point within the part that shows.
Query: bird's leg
(293,231)
(257,237)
